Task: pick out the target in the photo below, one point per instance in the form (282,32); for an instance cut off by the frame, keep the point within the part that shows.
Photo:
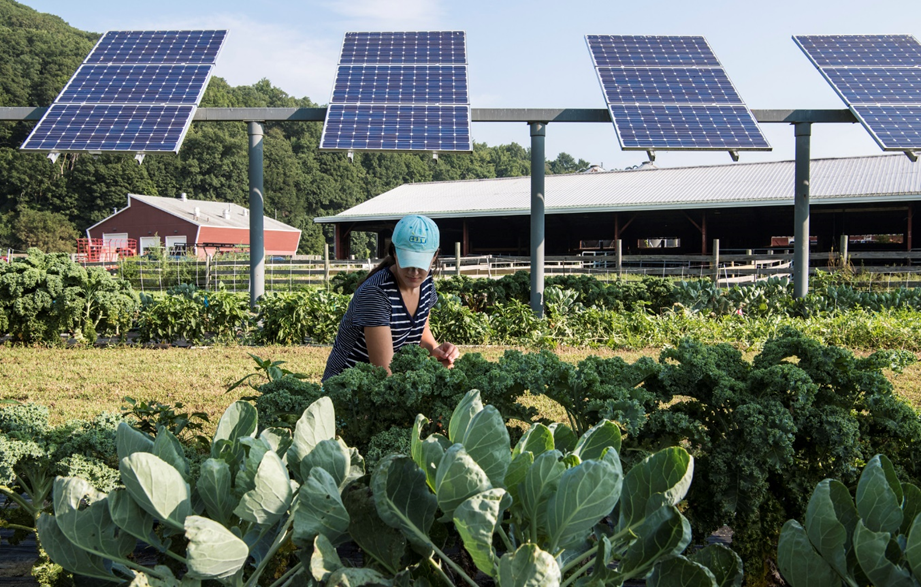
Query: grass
(82,382)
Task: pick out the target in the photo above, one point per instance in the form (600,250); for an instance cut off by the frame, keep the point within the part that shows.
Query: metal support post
(457,259)
(620,258)
(803,132)
(716,261)
(538,133)
(256,215)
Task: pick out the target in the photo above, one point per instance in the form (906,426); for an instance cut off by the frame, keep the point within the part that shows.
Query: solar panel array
(137,91)
(400,91)
(671,93)
(878,77)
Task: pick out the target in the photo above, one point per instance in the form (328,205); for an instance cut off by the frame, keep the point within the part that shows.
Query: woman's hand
(446,353)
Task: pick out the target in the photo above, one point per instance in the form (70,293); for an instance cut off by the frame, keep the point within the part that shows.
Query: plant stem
(442,573)
(581,571)
(505,538)
(289,574)
(18,527)
(279,540)
(454,566)
(10,494)
(578,560)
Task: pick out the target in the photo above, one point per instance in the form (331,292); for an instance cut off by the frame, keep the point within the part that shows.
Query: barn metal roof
(210,213)
(880,178)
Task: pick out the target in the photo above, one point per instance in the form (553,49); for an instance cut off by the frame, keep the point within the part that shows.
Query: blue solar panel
(663,127)
(137,91)
(625,85)
(397,128)
(139,47)
(633,51)
(878,77)
(895,128)
(136,84)
(861,50)
(876,85)
(405,47)
(410,84)
(671,93)
(133,128)
(400,92)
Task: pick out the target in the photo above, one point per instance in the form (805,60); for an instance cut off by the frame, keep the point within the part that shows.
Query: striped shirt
(378,302)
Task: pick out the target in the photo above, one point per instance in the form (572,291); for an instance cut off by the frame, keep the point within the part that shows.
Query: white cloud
(381,15)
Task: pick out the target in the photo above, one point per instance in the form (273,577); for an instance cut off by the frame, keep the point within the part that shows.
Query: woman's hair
(389,261)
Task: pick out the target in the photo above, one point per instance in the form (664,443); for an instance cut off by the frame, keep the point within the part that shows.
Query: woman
(391,307)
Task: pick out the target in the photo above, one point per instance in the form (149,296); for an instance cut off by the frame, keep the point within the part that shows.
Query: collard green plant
(873,540)
(257,495)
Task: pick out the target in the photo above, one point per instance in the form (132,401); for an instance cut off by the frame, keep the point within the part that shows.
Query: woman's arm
(446,352)
(380,346)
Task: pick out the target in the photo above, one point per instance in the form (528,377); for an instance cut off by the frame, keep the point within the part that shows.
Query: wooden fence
(898,268)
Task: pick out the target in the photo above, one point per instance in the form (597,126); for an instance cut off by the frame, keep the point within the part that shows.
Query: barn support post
(457,259)
(256,215)
(326,265)
(803,132)
(620,259)
(538,134)
(843,250)
(716,261)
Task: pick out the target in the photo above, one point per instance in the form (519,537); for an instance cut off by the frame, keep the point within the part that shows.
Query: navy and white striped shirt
(378,302)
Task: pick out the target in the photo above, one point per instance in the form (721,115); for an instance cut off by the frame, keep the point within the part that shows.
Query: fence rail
(289,273)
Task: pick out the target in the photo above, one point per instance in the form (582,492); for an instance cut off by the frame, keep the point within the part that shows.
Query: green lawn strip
(81,382)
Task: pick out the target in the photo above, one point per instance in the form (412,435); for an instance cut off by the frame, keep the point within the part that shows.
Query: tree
(48,231)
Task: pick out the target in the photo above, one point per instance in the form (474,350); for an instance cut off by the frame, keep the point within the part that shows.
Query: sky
(532,54)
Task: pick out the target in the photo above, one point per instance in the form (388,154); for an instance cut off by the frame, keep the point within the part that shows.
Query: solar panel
(137,91)
(671,93)
(400,91)
(878,77)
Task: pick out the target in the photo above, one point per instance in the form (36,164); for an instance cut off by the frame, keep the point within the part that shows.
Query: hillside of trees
(49,205)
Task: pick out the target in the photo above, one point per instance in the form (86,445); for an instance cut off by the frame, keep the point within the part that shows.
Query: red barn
(181,225)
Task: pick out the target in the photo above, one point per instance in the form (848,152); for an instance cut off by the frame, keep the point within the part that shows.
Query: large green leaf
(911,506)
(240,419)
(129,516)
(432,451)
(157,487)
(680,572)
(540,483)
(255,451)
(458,478)
(317,423)
(402,499)
(564,439)
(529,566)
(167,447)
(415,440)
(320,510)
(723,562)
(466,409)
(385,544)
(356,577)
(214,489)
(598,438)
(537,440)
(325,560)
(90,527)
(69,555)
(487,442)
(517,471)
(879,496)
(913,546)
(871,549)
(331,456)
(800,564)
(476,520)
(271,497)
(830,521)
(128,440)
(663,532)
(214,552)
(668,472)
(586,493)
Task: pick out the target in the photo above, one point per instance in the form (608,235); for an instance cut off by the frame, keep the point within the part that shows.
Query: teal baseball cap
(416,240)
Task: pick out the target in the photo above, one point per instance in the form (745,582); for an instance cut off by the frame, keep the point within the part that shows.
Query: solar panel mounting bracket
(350,155)
(53,155)
(139,157)
(912,156)
(652,156)
(734,154)
(434,156)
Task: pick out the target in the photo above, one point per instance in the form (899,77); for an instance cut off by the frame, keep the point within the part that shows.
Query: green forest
(48,205)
